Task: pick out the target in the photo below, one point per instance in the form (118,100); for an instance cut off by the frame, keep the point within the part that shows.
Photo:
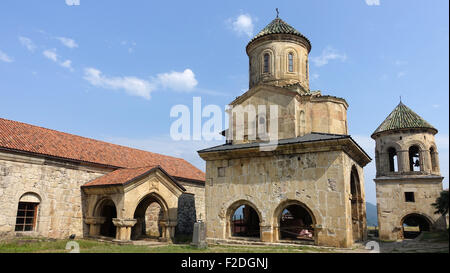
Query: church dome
(278,26)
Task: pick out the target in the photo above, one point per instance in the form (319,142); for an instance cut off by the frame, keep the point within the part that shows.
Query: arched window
(414,159)
(392,153)
(433,157)
(266,63)
(302,123)
(291,62)
(27,212)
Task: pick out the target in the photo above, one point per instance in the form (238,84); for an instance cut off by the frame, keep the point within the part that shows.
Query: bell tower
(278,55)
(408,179)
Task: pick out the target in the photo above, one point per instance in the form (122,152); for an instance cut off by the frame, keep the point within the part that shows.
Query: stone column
(168,230)
(123,229)
(95,224)
(403,161)
(317,230)
(266,232)
(276,233)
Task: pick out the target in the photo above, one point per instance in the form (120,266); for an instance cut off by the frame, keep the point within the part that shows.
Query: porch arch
(293,219)
(255,227)
(419,221)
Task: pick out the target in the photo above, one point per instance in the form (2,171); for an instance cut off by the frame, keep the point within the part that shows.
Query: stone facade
(65,209)
(398,177)
(318,180)
(57,185)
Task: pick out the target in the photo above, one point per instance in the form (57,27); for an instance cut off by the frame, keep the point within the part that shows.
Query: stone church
(408,179)
(310,187)
(55,184)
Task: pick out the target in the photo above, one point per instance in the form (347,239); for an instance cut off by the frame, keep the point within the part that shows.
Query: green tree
(441,204)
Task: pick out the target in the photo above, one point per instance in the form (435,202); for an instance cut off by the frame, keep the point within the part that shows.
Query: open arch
(295,221)
(413,224)
(243,220)
(414,158)
(107,209)
(356,205)
(141,214)
(393,159)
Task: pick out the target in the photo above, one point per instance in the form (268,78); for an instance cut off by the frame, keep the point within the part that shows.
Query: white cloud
(400,62)
(242,24)
(178,81)
(26,42)
(401,74)
(5,58)
(132,85)
(70,43)
(51,54)
(373,2)
(329,53)
(314,76)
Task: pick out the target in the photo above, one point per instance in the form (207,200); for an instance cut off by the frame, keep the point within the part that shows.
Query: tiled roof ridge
(87,138)
(278,26)
(402,117)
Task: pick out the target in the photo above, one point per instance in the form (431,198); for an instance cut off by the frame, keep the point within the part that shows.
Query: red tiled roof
(123,176)
(33,139)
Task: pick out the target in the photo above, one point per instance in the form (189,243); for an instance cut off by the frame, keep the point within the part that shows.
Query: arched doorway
(107,209)
(152,209)
(356,206)
(413,224)
(296,223)
(244,222)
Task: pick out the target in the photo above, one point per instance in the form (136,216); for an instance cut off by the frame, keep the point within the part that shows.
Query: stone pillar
(266,232)
(95,224)
(276,233)
(168,230)
(123,229)
(403,161)
(317,230)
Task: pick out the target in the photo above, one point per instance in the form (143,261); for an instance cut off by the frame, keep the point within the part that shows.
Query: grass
(435,236)
(43,245)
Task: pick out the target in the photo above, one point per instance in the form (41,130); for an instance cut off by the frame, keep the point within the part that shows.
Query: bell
(417,163)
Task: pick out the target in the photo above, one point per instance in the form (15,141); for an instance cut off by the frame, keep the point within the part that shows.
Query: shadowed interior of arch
(296,224)
(149,213)
(108,210)
(413,224)
(245,222)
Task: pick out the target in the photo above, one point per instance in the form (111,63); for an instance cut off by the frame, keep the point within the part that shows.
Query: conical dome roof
(403,117)
(278,26)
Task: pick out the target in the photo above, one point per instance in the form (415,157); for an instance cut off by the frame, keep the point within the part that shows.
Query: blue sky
(112,70)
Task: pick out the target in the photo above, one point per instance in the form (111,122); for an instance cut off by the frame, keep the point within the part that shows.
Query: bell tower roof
(278,26)
(403,117)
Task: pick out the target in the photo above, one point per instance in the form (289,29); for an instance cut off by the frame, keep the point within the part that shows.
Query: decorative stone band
(90,220)
(124,222)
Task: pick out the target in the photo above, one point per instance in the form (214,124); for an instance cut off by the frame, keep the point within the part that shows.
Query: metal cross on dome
(277,12)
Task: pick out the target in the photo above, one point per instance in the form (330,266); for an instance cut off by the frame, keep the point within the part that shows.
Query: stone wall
(320,181)
(56,184)
(191,207)
(392,206)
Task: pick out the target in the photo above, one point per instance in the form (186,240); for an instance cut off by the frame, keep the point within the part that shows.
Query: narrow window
(409,197)
(26,216)
(266,63)
(291,62)
(414,159)
(392,159)
(433,159)
(306,69)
